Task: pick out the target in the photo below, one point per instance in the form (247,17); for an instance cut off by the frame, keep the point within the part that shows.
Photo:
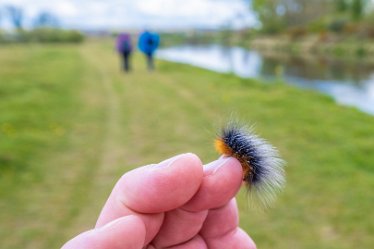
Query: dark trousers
(150,63)
(126,61)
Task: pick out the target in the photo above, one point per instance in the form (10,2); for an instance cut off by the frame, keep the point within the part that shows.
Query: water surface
(349,84)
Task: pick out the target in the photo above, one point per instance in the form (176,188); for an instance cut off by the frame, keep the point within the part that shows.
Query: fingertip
(195,243)
(125,232)
(112,235)
(132,221)
(193,158)
(221,220)
(164,186)
(243,236)
(222,180)
(151,190)
(238,239)
(179,226)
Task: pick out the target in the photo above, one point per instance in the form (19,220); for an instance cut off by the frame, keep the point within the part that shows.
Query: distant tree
(46,19)
(342,5)
(280,14)
(358,9)
(15,15)
(268,13)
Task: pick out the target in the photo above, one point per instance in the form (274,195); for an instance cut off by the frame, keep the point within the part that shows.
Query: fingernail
(168,162)
(110,224)
(213,167)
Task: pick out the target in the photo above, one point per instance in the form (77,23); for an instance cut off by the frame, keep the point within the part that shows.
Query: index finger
(222,180)
(151,190)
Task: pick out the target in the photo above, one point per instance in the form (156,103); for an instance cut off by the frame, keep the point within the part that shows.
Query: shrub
(55,35)
(318,26)
(43,35)
(296,32)
(337,26)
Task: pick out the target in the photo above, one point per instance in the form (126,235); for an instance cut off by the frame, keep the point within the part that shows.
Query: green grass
(71,124)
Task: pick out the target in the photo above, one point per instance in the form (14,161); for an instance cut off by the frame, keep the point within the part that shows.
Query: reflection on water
(349,84)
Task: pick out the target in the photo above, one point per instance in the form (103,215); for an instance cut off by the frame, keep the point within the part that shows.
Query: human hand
(176,204)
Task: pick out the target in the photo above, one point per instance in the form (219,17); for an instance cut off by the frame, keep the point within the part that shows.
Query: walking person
(124,48)
(148,43)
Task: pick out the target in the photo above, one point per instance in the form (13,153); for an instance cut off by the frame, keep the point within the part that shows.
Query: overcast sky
(140,13)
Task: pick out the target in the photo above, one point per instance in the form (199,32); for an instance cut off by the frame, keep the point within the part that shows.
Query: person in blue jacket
(148,43)
(124,48)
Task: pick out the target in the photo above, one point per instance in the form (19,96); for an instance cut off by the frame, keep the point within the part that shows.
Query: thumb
(125,232)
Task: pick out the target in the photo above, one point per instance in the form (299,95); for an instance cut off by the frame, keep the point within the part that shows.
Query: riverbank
(327,46)
(72,123)
(316,46)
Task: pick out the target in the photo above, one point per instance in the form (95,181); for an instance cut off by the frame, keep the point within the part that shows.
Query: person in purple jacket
(124,48)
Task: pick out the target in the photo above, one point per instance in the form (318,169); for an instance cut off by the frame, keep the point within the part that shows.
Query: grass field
(71,124)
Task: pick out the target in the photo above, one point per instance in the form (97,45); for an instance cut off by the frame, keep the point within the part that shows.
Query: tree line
(337,16)
(45,27)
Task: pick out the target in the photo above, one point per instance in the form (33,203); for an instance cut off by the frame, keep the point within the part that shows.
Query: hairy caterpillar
(263,170)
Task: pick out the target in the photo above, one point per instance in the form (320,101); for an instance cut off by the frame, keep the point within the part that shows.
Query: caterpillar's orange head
(222,147)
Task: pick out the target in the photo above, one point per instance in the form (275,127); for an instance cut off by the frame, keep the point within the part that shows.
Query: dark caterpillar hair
(263,170)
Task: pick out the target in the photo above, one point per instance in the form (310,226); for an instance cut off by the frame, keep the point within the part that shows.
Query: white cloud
(174,8)
(133,13)
(65,9)
(197,10)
